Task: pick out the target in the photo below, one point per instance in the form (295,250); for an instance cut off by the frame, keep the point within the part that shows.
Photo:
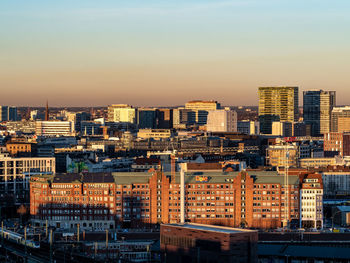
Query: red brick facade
(229,199)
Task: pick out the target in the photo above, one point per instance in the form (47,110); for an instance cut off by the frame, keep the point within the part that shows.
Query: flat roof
(221,229)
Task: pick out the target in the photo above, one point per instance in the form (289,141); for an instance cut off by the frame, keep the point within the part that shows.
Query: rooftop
(212,228)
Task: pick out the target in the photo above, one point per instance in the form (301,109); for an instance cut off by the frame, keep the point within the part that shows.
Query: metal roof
(295,251)
(221,229)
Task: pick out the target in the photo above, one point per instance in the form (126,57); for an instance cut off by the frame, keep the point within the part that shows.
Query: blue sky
(168,52)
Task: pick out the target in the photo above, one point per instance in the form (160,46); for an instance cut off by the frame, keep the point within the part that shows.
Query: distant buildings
(248,127)
(8,113)
(54,128)
(147,118)
(201,109)
(223,120)
(154,133)
(122,113)
(282,155)
(337,142)
(317,109)
(282,128)
(182,118)
(277,104)
(164,118)
(340,119)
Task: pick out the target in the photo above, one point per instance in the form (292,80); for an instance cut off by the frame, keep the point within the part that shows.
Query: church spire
(47,111)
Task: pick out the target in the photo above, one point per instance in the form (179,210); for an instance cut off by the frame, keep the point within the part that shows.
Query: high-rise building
(340,121)
(201,108)
(277,104)
(147,118)
(8,113)
(222,121)
(317,108)
(122,113)
(165,118)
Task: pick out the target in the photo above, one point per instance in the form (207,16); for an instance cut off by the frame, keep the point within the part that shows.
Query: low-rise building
(156,134)
(205,243)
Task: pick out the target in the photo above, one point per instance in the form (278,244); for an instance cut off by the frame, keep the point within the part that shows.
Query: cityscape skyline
(159,54)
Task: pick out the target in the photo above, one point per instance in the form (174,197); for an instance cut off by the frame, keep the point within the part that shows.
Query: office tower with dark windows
(317,109)
(277,104)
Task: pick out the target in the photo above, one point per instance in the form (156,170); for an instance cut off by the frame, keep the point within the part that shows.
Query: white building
(15,173)
(311,200)
(54,128)
(222,121)
(121,113)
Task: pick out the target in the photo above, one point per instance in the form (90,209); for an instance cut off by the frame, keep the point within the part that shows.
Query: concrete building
(248,127)
(205,243)
(54,128)
(340,119)
(16,172)
(317,109)
(122,113)
(277,104)
(224,120)
(201,109)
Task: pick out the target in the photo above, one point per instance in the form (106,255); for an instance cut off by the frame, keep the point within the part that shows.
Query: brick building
(251,199)
(205,243)
(337,142)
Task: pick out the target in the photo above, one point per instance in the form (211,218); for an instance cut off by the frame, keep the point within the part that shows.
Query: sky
(159,53)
